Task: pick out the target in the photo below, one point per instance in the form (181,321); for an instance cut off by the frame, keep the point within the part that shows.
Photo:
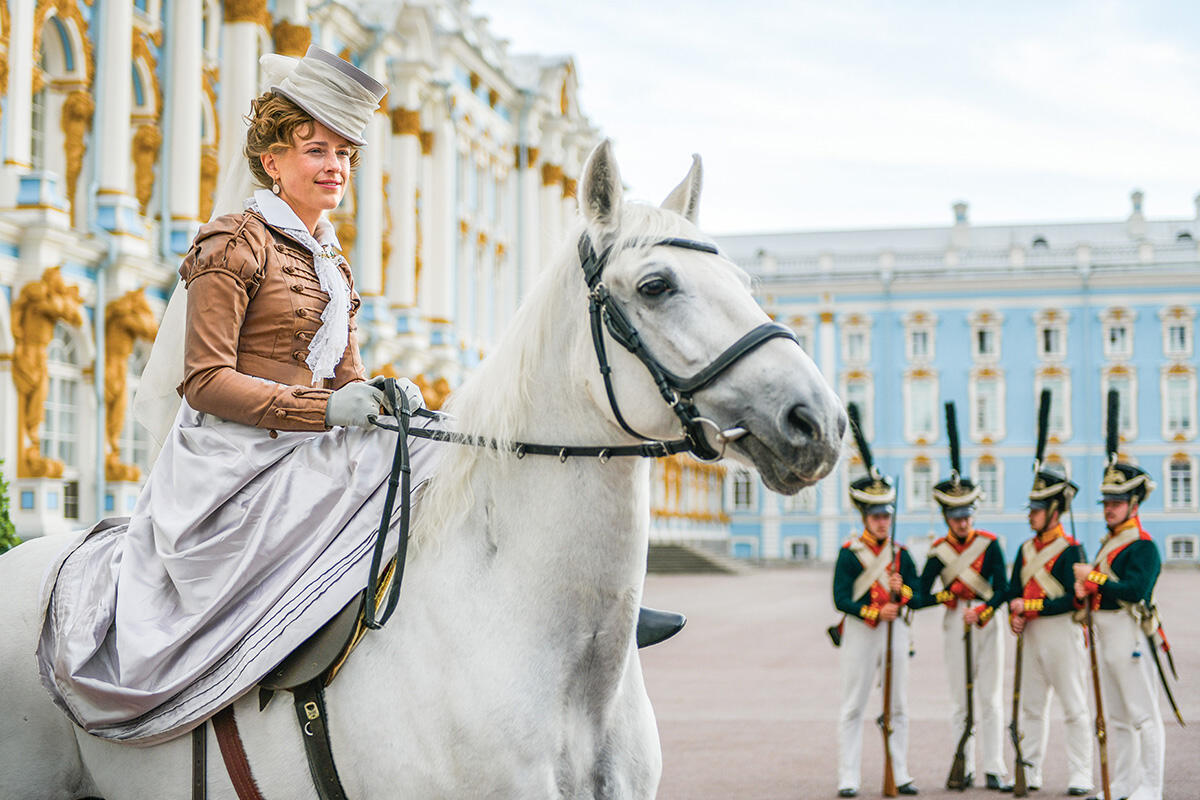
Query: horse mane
(498,397)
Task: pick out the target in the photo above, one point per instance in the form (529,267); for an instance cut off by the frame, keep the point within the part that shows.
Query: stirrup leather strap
(309,699)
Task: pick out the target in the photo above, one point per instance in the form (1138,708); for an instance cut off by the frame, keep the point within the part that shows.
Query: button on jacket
(254,305)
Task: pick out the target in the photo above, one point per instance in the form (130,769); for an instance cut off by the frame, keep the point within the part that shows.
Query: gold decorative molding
(481,239)
(426,142)
(531,155)
(406,121)
(67,10)
(38,307)
(247,11)
(141,52)
(291,39)
(385,241)
(209,167)
(552,174)
(564,99)
(570,188)
(826,316)
(144,150)
(473,79)
(435,392)
(493,97)
(4,26)
(126,321)
(76,120)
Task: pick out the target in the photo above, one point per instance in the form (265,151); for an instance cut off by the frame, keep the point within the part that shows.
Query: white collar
(279,214)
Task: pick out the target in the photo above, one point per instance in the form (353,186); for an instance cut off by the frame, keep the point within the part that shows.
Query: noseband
(676,390)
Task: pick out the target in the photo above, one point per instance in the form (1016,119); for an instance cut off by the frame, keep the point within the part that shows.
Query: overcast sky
(877,113)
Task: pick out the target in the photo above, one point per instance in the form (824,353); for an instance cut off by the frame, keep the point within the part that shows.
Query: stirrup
(654,626)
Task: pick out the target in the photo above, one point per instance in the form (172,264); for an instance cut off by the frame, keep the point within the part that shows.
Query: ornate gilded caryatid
(77,111)
(435,392)
(38,307)
(209,167)
(126,321)
(144,151)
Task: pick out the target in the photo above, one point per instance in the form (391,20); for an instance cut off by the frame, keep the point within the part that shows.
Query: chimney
(960,237)
(1136,221)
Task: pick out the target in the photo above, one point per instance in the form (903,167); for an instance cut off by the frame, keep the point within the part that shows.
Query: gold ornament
(291,39)
(77,111)
(146,143)
(125,322)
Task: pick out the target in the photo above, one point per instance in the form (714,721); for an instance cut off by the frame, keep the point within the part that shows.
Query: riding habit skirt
(243,542)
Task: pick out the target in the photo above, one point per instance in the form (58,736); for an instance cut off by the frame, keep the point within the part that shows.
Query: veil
(157,401)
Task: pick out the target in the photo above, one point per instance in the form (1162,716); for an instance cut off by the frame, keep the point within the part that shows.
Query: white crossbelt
(1125,537)
(1034,566)
(958,566)
(874,566)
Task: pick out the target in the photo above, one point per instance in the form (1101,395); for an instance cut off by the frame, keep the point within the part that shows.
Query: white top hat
(336,93)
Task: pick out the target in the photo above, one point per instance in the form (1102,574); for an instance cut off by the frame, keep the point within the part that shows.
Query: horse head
(691,310)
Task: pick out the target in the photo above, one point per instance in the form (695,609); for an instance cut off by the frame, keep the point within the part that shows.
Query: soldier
(1054,654)
(1119,585)
(970,564)
(872,581)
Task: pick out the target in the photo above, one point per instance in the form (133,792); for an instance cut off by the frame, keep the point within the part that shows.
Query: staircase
(685,558)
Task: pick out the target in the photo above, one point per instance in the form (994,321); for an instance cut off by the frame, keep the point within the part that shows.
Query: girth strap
(200,762)
(230,742)
(310,711)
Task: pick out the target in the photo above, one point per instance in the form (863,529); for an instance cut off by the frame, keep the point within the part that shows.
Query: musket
(885,719)
(1020,789)
(1101,734)
(958,770)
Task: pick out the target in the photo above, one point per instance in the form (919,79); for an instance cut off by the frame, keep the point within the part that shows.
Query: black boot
(655,626)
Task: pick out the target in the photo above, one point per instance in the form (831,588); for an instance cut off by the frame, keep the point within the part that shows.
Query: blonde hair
(275,122)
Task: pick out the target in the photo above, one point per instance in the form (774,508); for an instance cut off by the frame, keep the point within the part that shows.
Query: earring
(275,187)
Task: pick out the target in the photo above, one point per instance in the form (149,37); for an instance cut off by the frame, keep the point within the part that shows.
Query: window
(856,339)
(803,500)
(60,426)
(742,483)
(1059,385)
(858,390)
(1122,379)
(856,346)
(921,408)
(1118,343)
(1179,403)
(1177,339)
(987,478)
(985,343)
(37,120)
(987,406)
(71,500)
(1180,484)
(1051,342)
(801,549)
(920,484)
(1177,331)
(918,345)
(1181,548)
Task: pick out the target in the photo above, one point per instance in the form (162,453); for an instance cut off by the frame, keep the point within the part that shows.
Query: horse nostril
(800,420)
(843,421)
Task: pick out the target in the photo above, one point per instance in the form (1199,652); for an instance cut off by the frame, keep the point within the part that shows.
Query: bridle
(677,391)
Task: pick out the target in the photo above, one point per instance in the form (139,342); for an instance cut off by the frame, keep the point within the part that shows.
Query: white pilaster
(184,108)
(239,84)
(438,280)
(112,115)
(19,101)
(829,490)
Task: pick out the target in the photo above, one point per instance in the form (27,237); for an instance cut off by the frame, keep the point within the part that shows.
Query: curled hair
(275,122)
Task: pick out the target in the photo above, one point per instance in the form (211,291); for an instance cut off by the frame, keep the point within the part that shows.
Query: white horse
(510,669)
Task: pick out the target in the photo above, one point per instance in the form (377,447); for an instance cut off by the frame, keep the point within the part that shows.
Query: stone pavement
(747,694)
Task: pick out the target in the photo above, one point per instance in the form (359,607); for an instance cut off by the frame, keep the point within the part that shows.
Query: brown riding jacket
(254,302)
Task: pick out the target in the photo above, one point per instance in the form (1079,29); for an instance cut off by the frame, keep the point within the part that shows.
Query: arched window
(60,425)
(38,125)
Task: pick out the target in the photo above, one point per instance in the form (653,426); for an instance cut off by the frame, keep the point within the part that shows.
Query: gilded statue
(146,142)
(77,111)
(126,321)
(38,307)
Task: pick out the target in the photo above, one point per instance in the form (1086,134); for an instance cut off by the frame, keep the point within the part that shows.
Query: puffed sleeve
(221,273)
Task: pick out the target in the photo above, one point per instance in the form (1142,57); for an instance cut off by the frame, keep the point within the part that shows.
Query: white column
(405,145)
(829,490)
(369,257)
(529,257)
(18,104)
(437,281)
(112,114)
(550,187)
(183,104)
(239,73)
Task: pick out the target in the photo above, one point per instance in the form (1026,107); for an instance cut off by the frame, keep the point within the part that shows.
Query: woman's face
(313,173)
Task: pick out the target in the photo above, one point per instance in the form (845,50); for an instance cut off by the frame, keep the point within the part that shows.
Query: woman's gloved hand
(351,404)
(410,389)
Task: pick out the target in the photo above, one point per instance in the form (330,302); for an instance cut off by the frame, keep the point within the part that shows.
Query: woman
(257,521)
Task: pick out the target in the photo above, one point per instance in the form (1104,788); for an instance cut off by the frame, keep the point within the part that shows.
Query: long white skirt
(239,548)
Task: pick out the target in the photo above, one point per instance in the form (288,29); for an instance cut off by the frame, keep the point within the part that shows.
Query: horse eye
(654,287)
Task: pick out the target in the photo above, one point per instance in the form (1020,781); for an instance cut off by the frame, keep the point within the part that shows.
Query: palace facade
(902,320)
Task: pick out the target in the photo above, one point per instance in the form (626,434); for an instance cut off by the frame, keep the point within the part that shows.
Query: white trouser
(1132,718)
(987,659)
(1055,663)
(863,651)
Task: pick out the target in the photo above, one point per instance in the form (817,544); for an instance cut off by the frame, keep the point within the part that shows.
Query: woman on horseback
(257,521)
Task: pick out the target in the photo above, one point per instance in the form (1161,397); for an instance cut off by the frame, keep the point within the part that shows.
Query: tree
(8,532)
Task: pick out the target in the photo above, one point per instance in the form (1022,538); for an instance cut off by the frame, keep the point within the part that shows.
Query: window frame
(1127,426)
(911,434)
(1171,375)
(1060,399)
(979,378)
(987,500)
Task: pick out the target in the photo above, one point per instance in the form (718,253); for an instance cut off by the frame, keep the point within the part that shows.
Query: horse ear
(685,198)
(601,191)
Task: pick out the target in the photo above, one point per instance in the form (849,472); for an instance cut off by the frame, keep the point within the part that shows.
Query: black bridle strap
(399,480)
(751,341)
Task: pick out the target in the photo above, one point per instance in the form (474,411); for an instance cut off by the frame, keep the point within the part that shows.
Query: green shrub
(8,533)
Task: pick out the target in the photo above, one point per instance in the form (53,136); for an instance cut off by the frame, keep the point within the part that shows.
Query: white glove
(410,389)
(351,404)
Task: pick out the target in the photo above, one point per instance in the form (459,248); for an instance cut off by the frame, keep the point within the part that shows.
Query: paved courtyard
(747,695)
